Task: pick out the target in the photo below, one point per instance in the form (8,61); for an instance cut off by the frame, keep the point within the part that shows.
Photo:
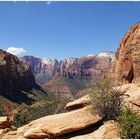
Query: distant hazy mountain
(69,75)
(44,69)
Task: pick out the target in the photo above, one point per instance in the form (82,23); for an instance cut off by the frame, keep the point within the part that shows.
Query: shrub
(105,99)
(21,116)
(2,110)
(129,124)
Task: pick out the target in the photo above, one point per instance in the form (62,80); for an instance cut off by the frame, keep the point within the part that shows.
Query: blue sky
(65,29)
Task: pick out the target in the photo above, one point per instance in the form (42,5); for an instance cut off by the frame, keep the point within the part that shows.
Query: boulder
(109,130)
(79,103)
(5,122)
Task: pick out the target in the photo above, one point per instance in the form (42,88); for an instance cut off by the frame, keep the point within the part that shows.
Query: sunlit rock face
(44,69)
(126,68)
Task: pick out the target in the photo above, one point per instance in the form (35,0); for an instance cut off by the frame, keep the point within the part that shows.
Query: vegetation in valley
(25,114)
(42,105)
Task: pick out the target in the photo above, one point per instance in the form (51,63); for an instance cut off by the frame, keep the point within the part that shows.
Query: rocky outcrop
(5,125)
(14,75)
(79,103)
(5,122)
(56,125)
(131,96)
(80,123)
(109,130)
(126,69)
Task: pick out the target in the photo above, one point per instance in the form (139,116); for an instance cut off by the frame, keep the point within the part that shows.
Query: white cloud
(50,2)
(15,51)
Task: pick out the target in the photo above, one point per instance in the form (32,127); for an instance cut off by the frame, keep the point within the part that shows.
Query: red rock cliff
(14,74)
(126,68)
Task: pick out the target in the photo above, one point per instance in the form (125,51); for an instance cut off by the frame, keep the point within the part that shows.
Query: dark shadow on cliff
(26,95)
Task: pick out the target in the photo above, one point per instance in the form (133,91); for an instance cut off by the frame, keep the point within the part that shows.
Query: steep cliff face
(126,68)
(88,67)
(45,69)
(34,62)
(41,68)
(14,75)
(72,68)
(81,74)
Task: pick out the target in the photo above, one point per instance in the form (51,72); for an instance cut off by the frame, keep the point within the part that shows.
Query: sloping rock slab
(13,135)
(59,124)
(79,103)
(35,133)
(69,122)
(109,130)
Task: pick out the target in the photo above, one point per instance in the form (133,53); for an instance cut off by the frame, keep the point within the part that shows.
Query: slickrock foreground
(79,103)
(109,130)
(56,125)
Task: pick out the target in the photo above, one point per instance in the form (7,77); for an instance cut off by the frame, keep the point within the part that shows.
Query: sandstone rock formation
(5,122)
(45,69)
(131,96)
(79,103)
(127,66)
(81,74)
(77,123)
(5,125)
(109,130)
(14,75)
(55,125)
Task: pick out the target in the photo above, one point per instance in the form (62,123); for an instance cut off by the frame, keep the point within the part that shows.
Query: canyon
(68,78)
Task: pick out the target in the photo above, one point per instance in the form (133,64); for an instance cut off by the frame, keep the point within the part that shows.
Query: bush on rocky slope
(105,99)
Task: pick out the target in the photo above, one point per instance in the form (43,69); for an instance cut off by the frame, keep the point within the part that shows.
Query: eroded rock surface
(109,130)
(79,103)
(14,75)
(56,125)
(126,68)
